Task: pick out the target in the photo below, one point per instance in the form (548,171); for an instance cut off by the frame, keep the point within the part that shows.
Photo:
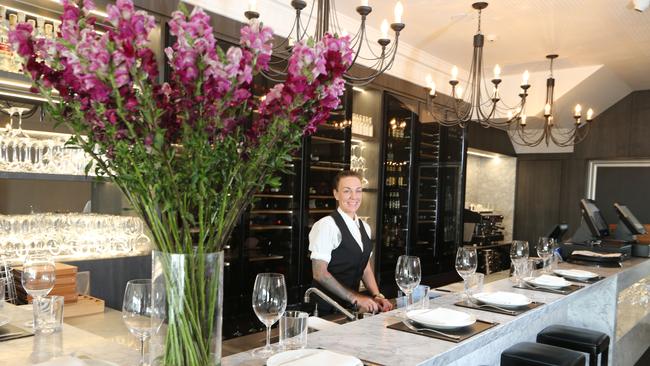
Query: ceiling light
(478,103)
(563,137)
(327,22)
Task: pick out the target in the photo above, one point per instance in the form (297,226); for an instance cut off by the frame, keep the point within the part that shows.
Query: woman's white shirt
(325,236)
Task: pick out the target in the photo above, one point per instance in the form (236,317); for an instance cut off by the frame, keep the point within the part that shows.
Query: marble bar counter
(595,306)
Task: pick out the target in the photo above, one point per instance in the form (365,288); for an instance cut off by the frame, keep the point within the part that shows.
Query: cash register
(628,228)
(592,243)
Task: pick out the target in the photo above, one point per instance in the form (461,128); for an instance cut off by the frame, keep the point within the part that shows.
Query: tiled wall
(491,182)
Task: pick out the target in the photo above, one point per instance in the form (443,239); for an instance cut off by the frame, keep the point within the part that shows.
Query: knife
(9,335)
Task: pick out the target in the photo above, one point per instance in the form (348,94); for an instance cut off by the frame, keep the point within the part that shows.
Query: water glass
(293,330)
(269,303)
(48,314)
(421,297)
(2,291)
(474,285)
(407,275)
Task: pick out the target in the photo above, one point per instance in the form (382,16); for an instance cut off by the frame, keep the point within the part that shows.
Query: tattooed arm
(325,279)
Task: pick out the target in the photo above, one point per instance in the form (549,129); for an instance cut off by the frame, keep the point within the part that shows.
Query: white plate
(503,299)
(546,281)
(576,274)
(312,357)
(4,320)
(441,318)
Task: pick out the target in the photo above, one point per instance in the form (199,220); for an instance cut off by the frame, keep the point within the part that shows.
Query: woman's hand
(384,305)
(366,304)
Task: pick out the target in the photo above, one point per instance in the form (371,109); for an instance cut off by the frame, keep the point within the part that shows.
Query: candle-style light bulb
(454,73)
(432,87)
(525,77)
(509,115)
(384,29)
(497,71)
(547,109)
(252,5)
(590,114)
(399,10)
(428,80)
(577,111)
(364,2)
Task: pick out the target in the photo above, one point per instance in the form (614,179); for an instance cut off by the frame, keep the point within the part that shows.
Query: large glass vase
(188,290)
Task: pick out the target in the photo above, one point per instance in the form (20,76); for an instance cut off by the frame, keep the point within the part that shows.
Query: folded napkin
(589,253)
(64,361)
(576,273)
(74,361)
(324,358)
(439,316)
(317,323)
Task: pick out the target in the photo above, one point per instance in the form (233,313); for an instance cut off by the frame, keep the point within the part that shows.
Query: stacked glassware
(72,235)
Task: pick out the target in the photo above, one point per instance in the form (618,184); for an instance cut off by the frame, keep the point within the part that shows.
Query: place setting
(441,323)
(578,275)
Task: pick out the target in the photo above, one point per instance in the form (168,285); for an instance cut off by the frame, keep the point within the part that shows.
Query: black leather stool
(577,339)
(536,354)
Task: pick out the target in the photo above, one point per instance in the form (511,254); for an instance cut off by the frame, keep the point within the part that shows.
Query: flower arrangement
(188,153)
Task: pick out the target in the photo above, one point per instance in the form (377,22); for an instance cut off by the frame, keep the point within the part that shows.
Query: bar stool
(537,354)
(577,339)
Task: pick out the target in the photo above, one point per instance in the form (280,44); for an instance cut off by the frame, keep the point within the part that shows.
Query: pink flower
(20,39)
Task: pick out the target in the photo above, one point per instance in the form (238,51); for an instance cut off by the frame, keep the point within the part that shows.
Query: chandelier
(377,60)
(478,103)
(563,137)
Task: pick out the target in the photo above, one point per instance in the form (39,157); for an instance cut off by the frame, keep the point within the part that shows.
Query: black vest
(347,262)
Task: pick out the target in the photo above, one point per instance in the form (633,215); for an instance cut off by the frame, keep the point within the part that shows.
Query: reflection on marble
(593,306)
(70,341)
(491,182)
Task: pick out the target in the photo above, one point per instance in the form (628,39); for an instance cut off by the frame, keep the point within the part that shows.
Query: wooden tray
(85,305)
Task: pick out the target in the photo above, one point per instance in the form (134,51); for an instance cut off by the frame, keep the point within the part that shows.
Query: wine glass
(269,303)
(20,111)
(519,257)
(545,250)
(139,313)
(38,278)
(408,274)
(466,263)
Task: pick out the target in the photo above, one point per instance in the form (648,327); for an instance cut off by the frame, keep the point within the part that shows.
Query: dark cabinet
(422,196)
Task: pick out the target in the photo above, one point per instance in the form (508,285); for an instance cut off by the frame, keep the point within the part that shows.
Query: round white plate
(4,320)
(288,357)
(546,281)
(576,274)
(441,318)
(503,299)
(99,363)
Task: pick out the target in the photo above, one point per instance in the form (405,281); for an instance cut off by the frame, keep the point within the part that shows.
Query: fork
(505,311)
(416,329)
(561,292)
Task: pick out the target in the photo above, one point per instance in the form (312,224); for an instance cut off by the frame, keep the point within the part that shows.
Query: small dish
(509,300)
(546,281)
(575,274)
(441,318)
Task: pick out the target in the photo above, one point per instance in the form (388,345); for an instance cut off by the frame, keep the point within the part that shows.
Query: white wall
(491,182)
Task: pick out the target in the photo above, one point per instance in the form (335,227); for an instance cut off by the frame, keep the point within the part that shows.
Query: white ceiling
(582,32)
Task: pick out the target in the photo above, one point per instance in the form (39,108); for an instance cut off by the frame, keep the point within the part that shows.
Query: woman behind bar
(340,251)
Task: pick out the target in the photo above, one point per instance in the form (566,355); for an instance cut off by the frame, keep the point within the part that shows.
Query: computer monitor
(593,225)
(628,224)
(558,232)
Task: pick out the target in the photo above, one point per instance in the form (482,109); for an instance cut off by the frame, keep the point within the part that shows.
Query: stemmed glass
(519,257)
(20,121)
(9,128)
(545,250)
(269,303)
(466,263)
(139,313)
(38,278)
(408,274)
